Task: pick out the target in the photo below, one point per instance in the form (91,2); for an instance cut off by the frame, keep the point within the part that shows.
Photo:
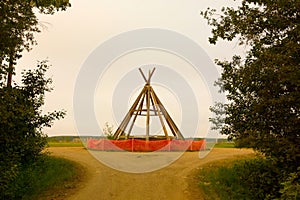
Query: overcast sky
(69,37)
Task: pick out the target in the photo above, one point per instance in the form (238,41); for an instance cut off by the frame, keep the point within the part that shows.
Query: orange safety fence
(137,145)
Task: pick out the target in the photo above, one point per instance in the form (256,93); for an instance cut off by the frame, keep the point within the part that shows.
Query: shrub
(291,186)
(260,178)
(245,179)
(21,123)
(34,178)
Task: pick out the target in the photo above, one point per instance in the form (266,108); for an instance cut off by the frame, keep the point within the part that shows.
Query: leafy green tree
(21,117)
(21,123)
(291,189)
(262,88)
(18,23)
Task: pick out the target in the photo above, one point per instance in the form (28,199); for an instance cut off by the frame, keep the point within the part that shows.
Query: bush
(291,186)
(21,123)
(245,179)
(260,178)
(34,178)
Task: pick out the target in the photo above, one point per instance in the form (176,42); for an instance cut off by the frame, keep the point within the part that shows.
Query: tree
(21,117)
(108,131)
(17,28)
(263,89)
(21,123)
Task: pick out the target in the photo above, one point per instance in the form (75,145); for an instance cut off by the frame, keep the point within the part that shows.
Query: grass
(65,144)
(224,145)
(218,180)
(255,177)
(48,178)
(64,141)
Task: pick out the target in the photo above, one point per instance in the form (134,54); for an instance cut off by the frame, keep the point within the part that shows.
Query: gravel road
(175,181)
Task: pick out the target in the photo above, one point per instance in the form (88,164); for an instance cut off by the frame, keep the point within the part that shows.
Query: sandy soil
(176,181)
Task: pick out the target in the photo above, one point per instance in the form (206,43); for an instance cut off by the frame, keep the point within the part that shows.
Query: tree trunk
(10,71)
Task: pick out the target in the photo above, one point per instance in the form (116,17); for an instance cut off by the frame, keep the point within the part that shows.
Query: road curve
(176,181)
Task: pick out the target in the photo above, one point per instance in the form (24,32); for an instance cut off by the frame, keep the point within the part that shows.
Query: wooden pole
(159,114)
(175,131)
(124,123)
(137,112)
(143,75)
(148,113)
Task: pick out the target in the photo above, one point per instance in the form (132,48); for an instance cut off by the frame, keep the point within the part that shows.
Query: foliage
(21,123)
(21,118)
(18,23)
(291,189)
(263,88)
(34,178)
(244,179)
(108,131)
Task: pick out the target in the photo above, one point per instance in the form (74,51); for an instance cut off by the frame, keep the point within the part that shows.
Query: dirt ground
(176,181)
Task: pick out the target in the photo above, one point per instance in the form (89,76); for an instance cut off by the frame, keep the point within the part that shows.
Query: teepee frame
(147,104)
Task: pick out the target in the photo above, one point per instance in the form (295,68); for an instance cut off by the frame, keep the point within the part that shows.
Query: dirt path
(176,181)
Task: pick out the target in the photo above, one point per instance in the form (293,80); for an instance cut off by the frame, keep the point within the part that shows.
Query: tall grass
(254,178)
(42,175)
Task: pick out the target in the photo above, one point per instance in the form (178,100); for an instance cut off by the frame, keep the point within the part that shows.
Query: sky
(68,39)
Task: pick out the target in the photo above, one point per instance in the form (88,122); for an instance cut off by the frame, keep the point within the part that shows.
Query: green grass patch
(251,178)
(224,145)
(65,144)
(209,179)
(45,174)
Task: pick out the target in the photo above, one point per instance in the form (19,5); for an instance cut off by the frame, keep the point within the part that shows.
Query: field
(64,141)
(65,144)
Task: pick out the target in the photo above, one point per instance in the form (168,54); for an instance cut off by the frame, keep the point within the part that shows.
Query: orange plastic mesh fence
(136,145)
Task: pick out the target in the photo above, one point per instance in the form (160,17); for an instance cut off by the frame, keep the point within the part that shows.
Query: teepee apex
(150,73)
